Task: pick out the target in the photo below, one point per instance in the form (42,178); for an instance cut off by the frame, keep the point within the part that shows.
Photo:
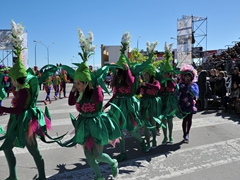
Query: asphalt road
(212,153)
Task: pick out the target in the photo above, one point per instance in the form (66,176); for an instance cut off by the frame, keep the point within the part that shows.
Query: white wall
(114,53)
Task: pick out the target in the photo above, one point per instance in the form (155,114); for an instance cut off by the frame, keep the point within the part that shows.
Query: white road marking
(200,122)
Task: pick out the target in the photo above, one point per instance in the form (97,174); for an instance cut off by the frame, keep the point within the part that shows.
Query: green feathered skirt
(95,128)
(22,128)
(151,107)
(169,105)
(130,108)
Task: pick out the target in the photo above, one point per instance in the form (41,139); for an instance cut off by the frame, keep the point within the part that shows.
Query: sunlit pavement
(212,153)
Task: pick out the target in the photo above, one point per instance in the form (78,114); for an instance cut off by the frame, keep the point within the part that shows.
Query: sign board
(4,42)
(184,40)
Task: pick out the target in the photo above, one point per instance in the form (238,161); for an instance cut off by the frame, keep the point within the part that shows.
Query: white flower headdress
(86,45)
(16,38)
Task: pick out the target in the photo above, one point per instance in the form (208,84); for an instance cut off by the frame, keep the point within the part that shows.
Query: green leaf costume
(128,103)
(168,88)
(92,125)
(151,104)
(32,120)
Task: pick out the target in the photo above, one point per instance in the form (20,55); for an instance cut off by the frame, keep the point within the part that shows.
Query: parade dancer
(26,120)
(38,74)
(56,83)
(47,87)
(150,103)
(93,128)
(168,95)
(188,92)
(125,84)
(63,82)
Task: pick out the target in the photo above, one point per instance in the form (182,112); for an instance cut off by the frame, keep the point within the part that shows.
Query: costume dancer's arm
(171,86)
(155,86)
(72,98)
(130,78)
(98,95)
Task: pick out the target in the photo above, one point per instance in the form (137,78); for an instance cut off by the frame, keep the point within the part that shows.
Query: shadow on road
(133,152)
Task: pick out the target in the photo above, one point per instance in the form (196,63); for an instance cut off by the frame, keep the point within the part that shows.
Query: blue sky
(153,20)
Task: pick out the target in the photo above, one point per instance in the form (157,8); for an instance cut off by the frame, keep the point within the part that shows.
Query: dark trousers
(202,99)
(63,88)
(186,124)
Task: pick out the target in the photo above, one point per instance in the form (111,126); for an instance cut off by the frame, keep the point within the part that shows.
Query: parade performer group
(145,95)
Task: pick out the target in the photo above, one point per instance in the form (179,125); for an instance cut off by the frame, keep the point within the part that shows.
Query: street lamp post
(138,40)
(47,47)
(36,51)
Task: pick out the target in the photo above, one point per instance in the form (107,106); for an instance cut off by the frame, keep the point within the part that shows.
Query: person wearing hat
(188,92)
(124,97)
(125,84)
(27,121)
(167,94)
(150,103)
(93,127)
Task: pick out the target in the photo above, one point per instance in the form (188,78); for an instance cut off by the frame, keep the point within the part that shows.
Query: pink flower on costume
(151,92)
(169,89)
(194,102)
(88,107)
(125,90)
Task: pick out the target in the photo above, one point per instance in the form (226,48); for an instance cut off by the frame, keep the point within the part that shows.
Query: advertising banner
(4,42)
(184,41)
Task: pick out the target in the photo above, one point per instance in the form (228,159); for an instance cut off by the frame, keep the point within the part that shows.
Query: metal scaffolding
(191,39)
